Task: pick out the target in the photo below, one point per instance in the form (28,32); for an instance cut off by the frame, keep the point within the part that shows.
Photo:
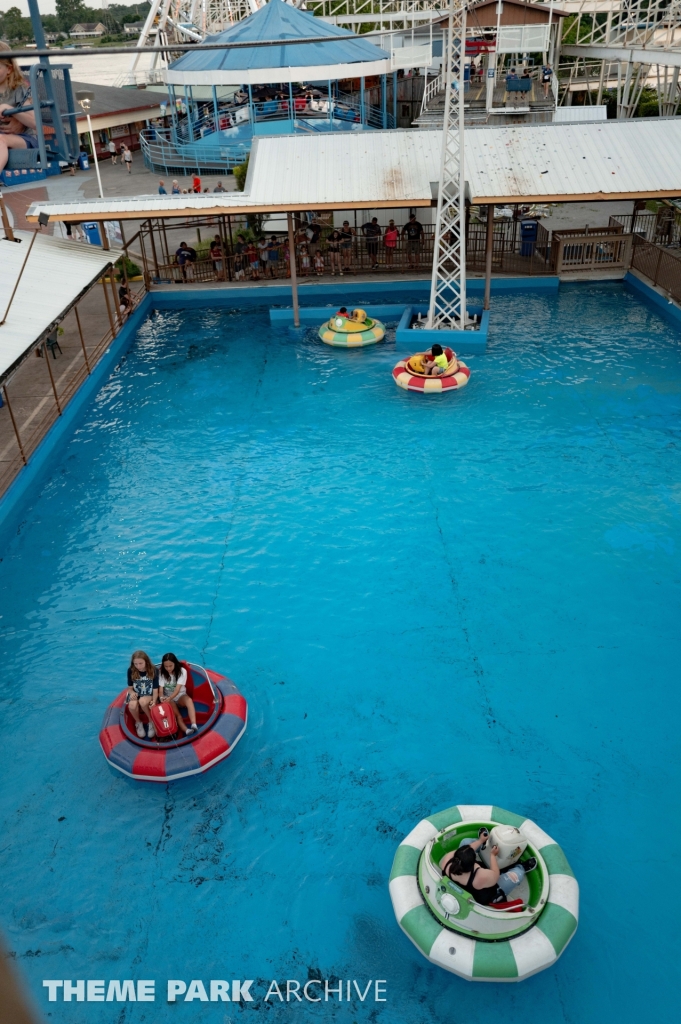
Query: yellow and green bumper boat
(352,331)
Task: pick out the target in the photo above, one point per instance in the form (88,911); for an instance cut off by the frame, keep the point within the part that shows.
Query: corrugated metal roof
(587,112)
(610,159)
(56,273)
(275,20)
(640,158)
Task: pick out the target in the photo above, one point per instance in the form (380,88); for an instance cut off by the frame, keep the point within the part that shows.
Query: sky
(48,6)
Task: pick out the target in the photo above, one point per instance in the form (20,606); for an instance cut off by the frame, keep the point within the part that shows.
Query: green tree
(15,27)
(70,12)
(240,173)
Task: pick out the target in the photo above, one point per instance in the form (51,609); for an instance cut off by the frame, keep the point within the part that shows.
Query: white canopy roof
(631,159)
(56,274)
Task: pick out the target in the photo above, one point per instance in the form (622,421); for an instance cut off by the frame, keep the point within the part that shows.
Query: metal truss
(448,285)
(624,45)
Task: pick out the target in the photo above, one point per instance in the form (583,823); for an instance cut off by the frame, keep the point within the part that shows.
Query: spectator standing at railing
(263,254)
(333,243)
(196,183)
(219,187)
(216,256)
(390,237)
(546,78)
(176,188)
(162,188)
(253,257)
(273,256)
(313,233)
(414,232)
(347,234)
(186,257)
(372,232)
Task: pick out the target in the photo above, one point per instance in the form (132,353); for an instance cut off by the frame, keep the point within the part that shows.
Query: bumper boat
(352,332)
(409,374)
(221,716)
(503,942)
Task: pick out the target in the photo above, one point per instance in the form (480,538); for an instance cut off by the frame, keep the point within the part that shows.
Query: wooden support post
(226,270)
(49,370)
(145,270)
(153,248)
(14,423)
(82,340)
(103,235)
(489,249)
(108,307)
(294,273)
(165,240)
(9,234)
(116,303)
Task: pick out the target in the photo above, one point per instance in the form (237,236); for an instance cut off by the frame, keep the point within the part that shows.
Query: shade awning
(346,56)
(369,170)
(57,273)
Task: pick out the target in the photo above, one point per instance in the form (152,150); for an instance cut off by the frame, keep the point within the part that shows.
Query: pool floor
(469,599)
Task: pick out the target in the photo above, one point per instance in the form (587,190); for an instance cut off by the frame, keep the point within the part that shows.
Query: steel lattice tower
(448,287)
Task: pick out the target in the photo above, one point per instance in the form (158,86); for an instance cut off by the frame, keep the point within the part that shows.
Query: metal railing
(35,393)
(343,107)
(661,266)
(662,227)
(162,154)
(431,90)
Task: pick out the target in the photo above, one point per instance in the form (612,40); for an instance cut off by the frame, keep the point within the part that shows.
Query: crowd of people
(337,251)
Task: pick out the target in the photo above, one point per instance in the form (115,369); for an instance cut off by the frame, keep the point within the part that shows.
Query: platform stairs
(508,107)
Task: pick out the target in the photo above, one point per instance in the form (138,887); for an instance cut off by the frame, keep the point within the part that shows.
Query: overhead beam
(626,54)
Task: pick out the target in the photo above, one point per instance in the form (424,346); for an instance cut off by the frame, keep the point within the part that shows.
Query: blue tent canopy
(278,20)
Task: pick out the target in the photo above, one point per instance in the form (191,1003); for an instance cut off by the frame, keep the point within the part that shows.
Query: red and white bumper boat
(221,716)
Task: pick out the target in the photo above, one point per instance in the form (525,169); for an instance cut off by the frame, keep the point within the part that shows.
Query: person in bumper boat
(487,886)
(173,688)
(142,690)
(437,363)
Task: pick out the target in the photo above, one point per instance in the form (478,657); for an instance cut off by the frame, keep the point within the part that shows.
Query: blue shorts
(30,140)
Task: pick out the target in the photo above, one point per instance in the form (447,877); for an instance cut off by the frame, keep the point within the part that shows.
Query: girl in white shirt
(173,688)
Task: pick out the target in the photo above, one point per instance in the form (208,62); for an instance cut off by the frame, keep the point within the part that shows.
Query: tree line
(15,28)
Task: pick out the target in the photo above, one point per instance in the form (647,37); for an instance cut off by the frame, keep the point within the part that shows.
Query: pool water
(466,599)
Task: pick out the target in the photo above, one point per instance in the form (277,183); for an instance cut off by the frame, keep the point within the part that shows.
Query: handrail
(431,90)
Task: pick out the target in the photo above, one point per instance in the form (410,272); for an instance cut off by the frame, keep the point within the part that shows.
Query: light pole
(85,102)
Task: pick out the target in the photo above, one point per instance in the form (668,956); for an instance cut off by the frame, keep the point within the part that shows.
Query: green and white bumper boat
(478,942)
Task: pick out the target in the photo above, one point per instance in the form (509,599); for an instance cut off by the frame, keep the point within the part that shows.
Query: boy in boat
(343,311)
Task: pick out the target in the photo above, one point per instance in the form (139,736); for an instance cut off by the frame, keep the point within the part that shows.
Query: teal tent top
(278,21)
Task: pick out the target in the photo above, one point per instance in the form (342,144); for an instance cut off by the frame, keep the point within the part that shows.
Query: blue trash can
(83,162)
(528,236)
(92,233)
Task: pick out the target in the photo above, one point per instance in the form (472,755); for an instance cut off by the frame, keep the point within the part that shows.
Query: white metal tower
(448,286)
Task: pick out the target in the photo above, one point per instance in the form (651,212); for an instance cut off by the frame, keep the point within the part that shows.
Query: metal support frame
(294,272)
(14,424)
(447,308)
(489,250)
(82,340)
(49,370)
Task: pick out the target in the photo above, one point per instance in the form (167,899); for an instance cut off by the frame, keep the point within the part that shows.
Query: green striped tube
(511,959)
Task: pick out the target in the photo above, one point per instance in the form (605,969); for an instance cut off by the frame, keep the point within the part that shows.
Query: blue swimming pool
(472,599)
